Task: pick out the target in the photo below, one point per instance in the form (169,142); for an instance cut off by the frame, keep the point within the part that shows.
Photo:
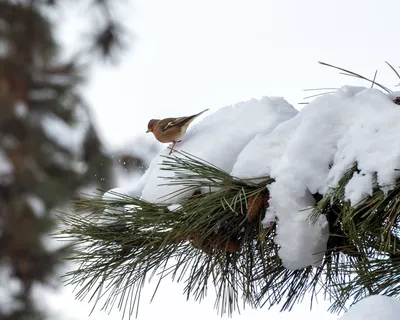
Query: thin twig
(353,74)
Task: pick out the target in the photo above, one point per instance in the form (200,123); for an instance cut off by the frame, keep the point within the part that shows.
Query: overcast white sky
(194,54)
(188,55)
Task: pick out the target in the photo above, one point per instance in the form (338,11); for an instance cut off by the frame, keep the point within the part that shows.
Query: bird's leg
(173,146)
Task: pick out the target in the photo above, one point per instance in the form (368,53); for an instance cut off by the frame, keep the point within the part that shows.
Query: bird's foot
(172,148)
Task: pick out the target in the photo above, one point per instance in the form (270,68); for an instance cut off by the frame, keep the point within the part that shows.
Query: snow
(42,94)
(310,153)
(36,204)
(4,48)
(115,194)
(302,243)
(174,207)
(59,79)
(374,307)
(70,137)
(218,139)
(58,130)
(10,287)
(6,166)
(9,141)
(371,138)
(63,160)
(21,109)
(359,188)
(306,152)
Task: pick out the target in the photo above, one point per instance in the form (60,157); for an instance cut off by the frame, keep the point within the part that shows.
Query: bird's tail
(196,115)
(187,120)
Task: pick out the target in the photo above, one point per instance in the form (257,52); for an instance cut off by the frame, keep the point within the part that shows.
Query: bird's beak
(148,130)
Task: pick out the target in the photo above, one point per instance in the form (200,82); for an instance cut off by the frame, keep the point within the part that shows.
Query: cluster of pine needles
(214,235)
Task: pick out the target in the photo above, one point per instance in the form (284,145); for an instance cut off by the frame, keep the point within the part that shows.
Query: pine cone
(254,205)
(203,245)
(231,246)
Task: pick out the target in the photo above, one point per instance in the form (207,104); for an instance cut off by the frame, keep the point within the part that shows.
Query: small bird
(170,129)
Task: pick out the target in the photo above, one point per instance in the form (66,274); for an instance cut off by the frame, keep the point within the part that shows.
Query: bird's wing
(168,123)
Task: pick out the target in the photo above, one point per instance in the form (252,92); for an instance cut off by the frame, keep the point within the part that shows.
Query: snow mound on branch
(374,308)
(310,153)
(325,139)
(306,152)
(218,139)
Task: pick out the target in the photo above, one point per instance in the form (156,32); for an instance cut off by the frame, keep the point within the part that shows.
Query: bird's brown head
(151,125)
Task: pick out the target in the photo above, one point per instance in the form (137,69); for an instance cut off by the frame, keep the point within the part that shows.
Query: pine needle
(356,75)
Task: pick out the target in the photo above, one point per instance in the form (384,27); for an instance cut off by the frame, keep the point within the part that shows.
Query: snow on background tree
(49,148)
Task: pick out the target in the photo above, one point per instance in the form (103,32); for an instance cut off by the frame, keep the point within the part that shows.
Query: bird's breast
(171,135)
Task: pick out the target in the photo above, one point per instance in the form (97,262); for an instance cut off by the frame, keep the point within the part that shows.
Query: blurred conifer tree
(49,148)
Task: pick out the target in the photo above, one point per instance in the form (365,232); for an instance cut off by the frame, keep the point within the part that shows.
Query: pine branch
(209,238)
(367,239)
(215,237)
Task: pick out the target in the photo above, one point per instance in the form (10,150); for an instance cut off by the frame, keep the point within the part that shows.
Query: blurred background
(79,80)
(50,149)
